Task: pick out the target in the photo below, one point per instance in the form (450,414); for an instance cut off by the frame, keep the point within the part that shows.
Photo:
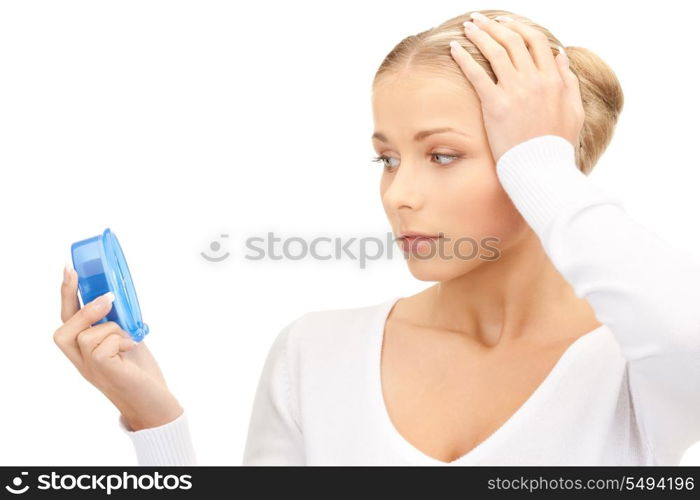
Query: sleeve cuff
(167,444)
(541,177)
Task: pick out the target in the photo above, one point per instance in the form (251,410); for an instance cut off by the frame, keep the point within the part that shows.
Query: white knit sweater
(626,393)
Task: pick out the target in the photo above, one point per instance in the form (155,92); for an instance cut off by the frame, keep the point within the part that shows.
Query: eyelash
(382,158)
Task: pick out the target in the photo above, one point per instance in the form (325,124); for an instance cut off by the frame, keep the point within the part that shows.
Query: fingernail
(455,44)
(101,302)
(563,54)
(470,26)
(479,17)
(503,18)
(66,272)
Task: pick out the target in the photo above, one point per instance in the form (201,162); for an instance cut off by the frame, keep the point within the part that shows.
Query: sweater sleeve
(167,444)
(274,432)
(642,287)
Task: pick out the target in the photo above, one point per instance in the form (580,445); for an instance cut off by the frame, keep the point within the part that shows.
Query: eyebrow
(422,134)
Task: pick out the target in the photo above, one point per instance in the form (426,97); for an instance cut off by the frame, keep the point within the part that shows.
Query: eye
(382,159)
(453,157)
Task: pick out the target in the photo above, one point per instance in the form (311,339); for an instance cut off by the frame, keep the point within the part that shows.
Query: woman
(559,332)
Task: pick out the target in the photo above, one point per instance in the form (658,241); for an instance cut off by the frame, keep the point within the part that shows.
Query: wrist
(139,421)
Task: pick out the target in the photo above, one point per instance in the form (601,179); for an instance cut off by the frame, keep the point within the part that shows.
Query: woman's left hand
(536,93)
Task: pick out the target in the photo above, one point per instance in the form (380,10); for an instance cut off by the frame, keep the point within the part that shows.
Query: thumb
(91,313)
(127,344)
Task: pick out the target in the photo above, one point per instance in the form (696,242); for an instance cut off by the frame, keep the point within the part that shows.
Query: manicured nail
(563,53)
(469,26)
(101,302)
(479,17)
(67,271)
(503,18)
(455,44)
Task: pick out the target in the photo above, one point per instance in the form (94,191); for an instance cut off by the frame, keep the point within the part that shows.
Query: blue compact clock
(101,267)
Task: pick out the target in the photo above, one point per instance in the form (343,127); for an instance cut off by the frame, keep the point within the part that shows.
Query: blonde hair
(601,92)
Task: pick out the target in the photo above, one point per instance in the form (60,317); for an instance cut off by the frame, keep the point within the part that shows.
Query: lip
(414,234)
(416,242)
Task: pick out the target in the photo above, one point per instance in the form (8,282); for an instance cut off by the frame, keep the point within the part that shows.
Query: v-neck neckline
(418,457)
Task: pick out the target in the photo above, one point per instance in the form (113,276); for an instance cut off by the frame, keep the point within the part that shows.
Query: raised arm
(642,287)
(639,285)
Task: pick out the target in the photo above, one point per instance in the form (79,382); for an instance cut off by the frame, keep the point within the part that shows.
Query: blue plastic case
(102,268)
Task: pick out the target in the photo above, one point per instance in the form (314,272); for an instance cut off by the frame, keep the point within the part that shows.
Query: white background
(173,122)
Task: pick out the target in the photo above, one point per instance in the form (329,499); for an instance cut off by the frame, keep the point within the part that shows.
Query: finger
(66,334)
(475,72)
(106,354)
(570,79)
(69,293)
(508,38)
(90,314)
(496,53)
(69,306)
(536,41)
(90,338)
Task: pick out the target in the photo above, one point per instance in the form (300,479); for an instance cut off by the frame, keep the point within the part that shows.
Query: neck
(520,294)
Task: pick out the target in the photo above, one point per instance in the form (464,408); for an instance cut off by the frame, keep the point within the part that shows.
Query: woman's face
(442,182)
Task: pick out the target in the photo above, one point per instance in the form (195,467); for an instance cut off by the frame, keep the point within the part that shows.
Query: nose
(404,189)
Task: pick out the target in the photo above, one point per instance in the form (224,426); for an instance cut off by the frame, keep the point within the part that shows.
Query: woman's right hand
(107,357)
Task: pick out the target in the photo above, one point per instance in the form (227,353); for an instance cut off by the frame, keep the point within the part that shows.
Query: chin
(435,269)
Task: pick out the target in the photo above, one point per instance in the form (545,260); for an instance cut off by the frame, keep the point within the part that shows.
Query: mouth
(417,243)
(411,234)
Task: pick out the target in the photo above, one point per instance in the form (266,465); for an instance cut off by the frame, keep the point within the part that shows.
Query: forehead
(418,100)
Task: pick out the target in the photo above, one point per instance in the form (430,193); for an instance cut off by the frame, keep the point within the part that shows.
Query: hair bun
(603,101)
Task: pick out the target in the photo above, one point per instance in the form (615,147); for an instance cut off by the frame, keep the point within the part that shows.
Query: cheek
(477,206)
